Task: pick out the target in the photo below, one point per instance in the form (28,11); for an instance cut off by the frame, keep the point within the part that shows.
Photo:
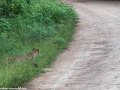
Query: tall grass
(46,25)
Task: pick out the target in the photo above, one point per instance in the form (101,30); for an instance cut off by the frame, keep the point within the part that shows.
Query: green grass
(47,25)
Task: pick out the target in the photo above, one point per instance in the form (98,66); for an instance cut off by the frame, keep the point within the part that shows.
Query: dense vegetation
(46,25)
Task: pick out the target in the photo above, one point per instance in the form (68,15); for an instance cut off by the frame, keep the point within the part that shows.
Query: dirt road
(92,62)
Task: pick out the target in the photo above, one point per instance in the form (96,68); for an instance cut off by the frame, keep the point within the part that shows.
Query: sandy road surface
(92,61)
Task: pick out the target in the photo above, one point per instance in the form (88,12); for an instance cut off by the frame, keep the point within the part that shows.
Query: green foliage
(55,12)
(10,8)
(59,42)
(4,25)
(27,24)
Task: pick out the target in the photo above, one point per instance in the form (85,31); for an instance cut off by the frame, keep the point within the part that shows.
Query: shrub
(10,8)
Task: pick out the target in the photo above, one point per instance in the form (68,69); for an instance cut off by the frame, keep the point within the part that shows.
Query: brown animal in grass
(34,53)
(29,56)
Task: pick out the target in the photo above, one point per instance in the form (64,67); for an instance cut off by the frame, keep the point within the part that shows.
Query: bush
(11,7)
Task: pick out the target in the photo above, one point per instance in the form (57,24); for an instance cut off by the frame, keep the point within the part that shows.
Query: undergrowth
(46,25)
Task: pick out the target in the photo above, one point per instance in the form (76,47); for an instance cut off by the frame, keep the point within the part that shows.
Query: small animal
(29,56)
(34,53)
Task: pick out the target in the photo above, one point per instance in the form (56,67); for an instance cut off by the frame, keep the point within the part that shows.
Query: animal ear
(38,50)
(33,49)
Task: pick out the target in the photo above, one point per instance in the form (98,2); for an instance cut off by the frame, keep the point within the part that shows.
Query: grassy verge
(47,25)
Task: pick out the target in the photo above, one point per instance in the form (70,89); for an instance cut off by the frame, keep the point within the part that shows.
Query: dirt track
(92,61)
